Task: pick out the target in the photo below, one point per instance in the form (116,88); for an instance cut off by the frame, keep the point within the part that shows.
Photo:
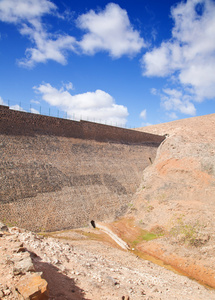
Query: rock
(33,287)
(110,281)
(15,230)
(7,292)
(3,227)
(18,247)
(24,265)
(21,249)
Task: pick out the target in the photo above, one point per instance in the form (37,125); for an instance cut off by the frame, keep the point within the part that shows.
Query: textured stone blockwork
(52,180)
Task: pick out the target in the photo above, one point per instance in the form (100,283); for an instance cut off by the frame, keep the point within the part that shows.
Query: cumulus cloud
(162,61)
(143,114)
(175,100)
(109,30)
(27,14)
(189,56)
(15,11)
(94,106)
(47,46)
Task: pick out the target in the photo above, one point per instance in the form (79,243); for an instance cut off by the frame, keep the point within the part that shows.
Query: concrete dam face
(57,174)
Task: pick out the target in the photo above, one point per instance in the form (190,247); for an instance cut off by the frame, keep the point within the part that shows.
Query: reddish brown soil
(128,231)
(186,266)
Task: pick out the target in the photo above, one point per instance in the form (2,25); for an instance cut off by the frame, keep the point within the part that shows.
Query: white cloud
(98,105)
(46,46)
(189,56)
(177,101)
(162,61)
(109,30)
(143,114)
(172,115)
(200,76)
(15,11)
(156,62)
(1,101)
(68,86)
(34,111)
(16,107)
(35,101)
(154,91)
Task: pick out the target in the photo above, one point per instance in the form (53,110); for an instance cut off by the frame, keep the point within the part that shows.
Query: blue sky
(126,63)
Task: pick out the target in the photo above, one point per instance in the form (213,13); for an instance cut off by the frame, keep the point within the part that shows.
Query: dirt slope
(177,195)
(183,173)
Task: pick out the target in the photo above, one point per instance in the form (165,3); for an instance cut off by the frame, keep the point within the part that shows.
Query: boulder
(33,287)
(3,227)
(24,265)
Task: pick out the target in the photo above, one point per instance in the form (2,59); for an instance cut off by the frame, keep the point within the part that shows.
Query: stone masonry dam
(58,174)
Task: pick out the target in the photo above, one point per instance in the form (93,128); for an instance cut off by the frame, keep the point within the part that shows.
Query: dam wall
(58,174)
(14,122)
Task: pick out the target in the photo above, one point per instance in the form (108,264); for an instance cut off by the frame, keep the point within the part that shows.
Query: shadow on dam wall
(58,174)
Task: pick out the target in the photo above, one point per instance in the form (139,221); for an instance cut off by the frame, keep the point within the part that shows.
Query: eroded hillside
(176,198)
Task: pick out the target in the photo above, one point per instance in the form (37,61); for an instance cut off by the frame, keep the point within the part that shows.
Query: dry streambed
(144,279)
(156,247)
(87,264)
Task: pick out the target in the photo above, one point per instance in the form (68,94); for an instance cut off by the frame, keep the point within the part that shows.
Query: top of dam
(13,122)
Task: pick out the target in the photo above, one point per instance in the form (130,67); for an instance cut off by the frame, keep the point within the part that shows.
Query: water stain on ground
(137,239)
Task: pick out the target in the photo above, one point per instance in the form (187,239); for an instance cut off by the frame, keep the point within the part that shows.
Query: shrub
(188,233)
